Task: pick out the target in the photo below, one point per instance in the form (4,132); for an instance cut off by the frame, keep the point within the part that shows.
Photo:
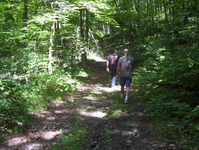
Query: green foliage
(168,81)
(72,140)
(109,134)
(40,56)
(46,87)
(116,110)
(18,100)
(48,39)
(13,108)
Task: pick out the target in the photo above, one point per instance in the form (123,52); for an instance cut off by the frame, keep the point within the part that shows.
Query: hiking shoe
(125,101)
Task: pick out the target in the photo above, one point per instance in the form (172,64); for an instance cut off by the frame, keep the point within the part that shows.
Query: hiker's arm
(118,71)
(118,68)
(107,65)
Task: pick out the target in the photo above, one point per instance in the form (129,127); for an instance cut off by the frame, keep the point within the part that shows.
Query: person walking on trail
(111,66)
(124,70)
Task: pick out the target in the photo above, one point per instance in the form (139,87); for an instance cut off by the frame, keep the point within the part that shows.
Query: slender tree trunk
(148,13)
(52,39)
(137,7)
(81,24)
(50,52)
(86,34)
(83,31)
(25,13)
(87,25)
(165,11)
(172,12)
(123,38)
(152,12)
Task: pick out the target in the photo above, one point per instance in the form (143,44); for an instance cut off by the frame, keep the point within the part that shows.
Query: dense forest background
(42,44)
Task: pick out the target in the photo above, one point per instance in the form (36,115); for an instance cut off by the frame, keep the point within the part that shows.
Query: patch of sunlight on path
(41,136)
(96,114)
(96,57)
(98,89)
(45,135)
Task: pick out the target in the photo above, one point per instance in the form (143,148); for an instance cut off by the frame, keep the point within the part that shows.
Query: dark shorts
(125,81)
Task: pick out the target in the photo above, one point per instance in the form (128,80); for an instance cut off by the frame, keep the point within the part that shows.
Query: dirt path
(110,124)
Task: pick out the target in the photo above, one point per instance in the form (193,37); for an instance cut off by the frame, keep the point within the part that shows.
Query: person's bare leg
(113,81)
(127,95)
(127,91)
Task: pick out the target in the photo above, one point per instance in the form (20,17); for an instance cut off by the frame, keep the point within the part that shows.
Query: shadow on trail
(111,125)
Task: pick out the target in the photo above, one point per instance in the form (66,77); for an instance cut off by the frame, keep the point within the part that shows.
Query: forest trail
(94,106)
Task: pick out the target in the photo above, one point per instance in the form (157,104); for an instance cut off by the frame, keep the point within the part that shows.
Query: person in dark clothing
(111,66)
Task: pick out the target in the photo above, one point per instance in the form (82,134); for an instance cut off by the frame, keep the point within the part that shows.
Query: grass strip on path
(73,140)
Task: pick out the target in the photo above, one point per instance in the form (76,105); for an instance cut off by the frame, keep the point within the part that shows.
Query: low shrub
(18,100)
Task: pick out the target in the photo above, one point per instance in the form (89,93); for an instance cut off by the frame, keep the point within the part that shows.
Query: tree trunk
(165,11)
(81,24)
(25,13)
(50,52)
(87,25)
(83,32)
(137,7)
